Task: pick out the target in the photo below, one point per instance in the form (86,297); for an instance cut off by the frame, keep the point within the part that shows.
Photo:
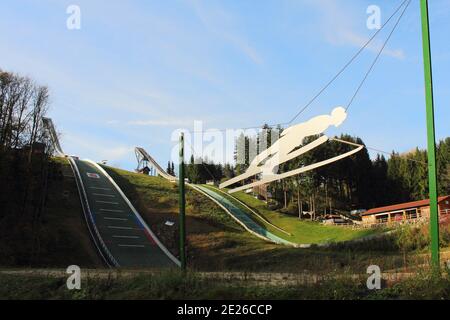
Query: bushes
(405,239)
(423,286)
(412,238)
(165,201)
(444,235)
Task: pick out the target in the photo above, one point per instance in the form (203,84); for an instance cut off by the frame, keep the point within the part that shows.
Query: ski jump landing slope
(119,232)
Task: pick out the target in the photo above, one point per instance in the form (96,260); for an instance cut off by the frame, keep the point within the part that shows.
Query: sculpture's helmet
(338,116)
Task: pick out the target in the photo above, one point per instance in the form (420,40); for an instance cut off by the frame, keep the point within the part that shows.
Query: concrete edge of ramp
(136,213)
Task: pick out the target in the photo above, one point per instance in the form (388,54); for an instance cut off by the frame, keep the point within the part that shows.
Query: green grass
(303,232)
(158,194)
(176,285)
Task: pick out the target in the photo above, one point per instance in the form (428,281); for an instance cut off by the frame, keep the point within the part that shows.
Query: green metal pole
(182,201)
(432,175)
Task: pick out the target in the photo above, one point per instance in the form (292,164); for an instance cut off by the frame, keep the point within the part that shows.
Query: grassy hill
(217,243)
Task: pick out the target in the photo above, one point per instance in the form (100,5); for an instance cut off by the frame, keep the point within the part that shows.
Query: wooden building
(405,212)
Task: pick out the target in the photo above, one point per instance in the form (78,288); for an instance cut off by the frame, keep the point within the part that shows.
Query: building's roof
(403,206)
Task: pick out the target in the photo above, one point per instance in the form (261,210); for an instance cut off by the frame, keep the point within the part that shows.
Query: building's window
(411,214)
(382,218)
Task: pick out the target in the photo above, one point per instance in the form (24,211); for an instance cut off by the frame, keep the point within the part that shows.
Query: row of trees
(23,172)
(23,103)
(410,174)
(355,182)
(358,182)
(170,168)
(202,171)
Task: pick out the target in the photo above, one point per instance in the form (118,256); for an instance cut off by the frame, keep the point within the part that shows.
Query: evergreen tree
(355,182)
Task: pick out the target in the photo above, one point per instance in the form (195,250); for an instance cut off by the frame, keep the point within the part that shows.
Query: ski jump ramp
(121,236)
(144,158)
(51,133)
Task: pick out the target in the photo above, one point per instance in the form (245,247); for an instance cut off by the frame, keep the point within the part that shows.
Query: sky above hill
(138,70)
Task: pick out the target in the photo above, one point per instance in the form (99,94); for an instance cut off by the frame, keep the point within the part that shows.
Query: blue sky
(138,70)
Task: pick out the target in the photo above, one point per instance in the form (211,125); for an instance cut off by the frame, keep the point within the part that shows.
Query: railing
(382,220)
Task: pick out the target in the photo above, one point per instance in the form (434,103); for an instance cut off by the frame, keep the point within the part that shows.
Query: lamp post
(432,176)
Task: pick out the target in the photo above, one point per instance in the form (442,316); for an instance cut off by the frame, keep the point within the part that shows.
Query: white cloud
(96,149)
(338,27)
(116,153)
(221,23)
(160,122)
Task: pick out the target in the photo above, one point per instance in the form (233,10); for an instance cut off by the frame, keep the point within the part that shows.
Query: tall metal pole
(182,201)
(432,176)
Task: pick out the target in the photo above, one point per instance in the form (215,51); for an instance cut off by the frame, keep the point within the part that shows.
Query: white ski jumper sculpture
(267,162)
